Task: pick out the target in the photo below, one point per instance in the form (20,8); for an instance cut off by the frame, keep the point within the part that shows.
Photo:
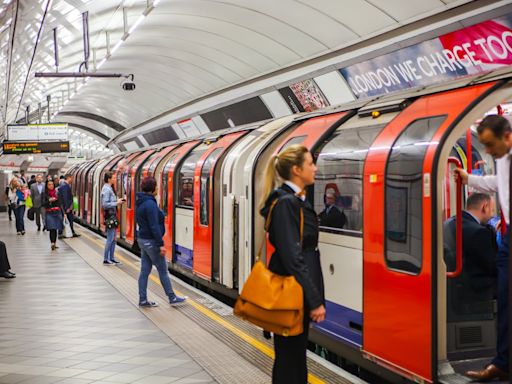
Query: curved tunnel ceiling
(182,50)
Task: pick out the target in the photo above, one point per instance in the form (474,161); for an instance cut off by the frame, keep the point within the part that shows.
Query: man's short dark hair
(68,175)
(108,176)
(61,177)
(33,176)
(475,200)
(498,125)
(148,184)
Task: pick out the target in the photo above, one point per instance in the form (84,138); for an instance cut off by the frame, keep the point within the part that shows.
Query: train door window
(204,201)
(292,141)
(403,196)
(186,178)
(339,180)
(128,189)
(165,184)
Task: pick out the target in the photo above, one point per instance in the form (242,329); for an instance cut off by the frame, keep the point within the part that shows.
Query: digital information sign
(18,147)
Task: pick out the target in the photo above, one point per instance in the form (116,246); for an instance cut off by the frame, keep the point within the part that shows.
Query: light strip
(134,26)
(116,47)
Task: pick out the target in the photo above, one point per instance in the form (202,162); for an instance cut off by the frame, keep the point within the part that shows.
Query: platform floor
(67,318)
(62,322)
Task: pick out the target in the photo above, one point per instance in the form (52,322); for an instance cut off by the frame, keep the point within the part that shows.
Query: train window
(154,162)
(339,180)
(186,178)
(165,184)
(294,140)
(128,181)
(204,189)
(403,196)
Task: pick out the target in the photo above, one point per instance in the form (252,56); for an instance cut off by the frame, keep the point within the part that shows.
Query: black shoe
(38,229)
(76,235)
(148,304)
(7,275)
(107,262)
(54,247)
(115,262)
(12,273)
(10,218)
(44,228)
(23,233)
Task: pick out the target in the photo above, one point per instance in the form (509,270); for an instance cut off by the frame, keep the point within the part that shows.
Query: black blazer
(478,278)
(334,217)
(290,258)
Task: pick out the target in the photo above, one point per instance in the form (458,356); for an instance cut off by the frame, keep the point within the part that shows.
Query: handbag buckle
(286,332)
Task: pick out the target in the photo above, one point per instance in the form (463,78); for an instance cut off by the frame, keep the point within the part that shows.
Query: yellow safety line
(312,379)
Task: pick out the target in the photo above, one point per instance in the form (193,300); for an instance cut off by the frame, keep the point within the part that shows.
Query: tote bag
(67,232)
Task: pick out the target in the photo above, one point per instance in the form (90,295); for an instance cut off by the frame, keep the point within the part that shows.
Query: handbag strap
(267,226)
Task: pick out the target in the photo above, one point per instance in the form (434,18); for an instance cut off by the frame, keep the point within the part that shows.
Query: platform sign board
(37,132)
(25,147)
(468,51)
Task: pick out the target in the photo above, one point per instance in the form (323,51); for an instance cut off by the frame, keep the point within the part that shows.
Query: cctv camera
(128,84)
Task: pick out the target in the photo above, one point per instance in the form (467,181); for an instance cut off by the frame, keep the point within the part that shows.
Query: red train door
(203,204)
(134,176)
(168,196)
(399,253)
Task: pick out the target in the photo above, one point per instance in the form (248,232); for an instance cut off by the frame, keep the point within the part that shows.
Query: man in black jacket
(477,283)
(66,199)
(332,216)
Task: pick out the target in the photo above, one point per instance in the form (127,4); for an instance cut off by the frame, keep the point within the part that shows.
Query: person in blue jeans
(109,203)
(150,232)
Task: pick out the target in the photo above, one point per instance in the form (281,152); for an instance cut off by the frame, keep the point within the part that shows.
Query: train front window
(403,195)
(186,178)
(339,179)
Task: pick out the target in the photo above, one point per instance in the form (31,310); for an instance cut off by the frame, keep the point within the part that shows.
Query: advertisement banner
(472,50)
(36,132)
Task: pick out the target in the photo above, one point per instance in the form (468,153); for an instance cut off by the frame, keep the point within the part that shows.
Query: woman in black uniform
(294,255)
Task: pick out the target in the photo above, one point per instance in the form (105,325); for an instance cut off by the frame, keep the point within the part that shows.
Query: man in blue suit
(66,199)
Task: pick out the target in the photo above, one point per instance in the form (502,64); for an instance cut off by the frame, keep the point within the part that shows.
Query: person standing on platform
(5,267)
(66,200)
(22,178)
(293,231)
(8,201)
(109,203)
(18,200)
(151,229)
(36,191)
(53,221)
(31,181)
(495,133)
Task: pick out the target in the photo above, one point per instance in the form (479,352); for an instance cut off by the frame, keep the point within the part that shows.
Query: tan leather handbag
(270,301)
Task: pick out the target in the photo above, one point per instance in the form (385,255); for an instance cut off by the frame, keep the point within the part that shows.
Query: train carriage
(387,164)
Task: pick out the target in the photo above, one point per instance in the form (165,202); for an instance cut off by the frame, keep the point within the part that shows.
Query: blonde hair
(280,166)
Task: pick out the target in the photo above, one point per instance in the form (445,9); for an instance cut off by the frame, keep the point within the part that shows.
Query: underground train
(387,162)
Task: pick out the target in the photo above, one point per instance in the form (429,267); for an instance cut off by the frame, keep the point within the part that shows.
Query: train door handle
(458,224)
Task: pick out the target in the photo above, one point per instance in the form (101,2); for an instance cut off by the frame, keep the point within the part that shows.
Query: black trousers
(290,364)
(4,261)
(53,235)
(10,210)
(71,220)
(501,359)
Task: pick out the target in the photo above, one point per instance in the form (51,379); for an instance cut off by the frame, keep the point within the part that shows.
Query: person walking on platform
(495,133)
(109,203)
(5,267)
(151,229)
(18,198)
(50,201)
(293,231)
(66,200)
(36,191)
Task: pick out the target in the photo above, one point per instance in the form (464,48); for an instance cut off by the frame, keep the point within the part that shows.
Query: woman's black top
(52,206)
(290,257)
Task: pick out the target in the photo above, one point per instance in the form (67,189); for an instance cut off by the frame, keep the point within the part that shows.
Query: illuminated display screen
(17,147)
